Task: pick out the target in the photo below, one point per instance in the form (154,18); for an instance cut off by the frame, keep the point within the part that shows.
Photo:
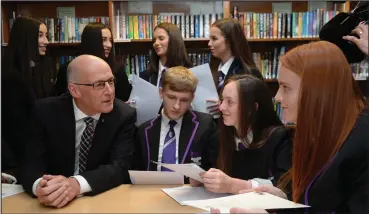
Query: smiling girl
(168,51)
(97,40)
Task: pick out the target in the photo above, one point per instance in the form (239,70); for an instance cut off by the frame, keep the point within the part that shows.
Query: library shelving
(272,27)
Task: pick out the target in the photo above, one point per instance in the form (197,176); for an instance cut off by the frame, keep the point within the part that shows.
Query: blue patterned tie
(169,149)
(221,80)
(161,77)
(85,144)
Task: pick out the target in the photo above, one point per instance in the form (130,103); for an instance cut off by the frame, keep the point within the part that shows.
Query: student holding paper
(168,51)
(97,40)
(253,141)
(178,135)
(230,55)
(330,170)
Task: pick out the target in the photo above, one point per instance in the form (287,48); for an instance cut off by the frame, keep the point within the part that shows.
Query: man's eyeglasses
(99,84)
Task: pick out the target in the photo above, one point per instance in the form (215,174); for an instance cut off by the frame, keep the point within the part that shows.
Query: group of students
(84,141)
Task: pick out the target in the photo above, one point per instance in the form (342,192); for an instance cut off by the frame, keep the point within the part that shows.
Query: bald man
(80,143)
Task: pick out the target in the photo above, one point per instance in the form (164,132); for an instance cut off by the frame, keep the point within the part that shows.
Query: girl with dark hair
(230,55)
(27,75)
(168,51)
(97,40)
(253,141)
(330,163)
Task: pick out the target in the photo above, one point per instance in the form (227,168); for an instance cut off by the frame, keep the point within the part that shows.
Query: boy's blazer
(198,142)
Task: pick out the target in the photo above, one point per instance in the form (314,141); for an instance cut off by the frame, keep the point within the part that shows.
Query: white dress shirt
(225,67)
(160,72)
(163,133)
(80,127)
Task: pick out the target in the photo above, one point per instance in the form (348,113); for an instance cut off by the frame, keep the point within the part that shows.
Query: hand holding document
(247,200)
(190,170)
(145,98)
(155,177)
(187,193)
(205,90)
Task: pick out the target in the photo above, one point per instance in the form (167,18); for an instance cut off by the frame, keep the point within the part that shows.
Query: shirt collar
(78,114)
(250,137)
(161,67)
(225,67)
(166,120)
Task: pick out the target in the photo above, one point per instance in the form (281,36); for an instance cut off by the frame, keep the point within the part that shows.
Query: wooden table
(125,198)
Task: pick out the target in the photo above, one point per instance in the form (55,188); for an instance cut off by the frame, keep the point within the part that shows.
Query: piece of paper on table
(155,177)
(247,200)
(145,98)
(10,189)
(190,170)
(206,89)
(187,193)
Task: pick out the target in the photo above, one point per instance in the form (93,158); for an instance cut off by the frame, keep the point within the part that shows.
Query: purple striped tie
(169,150)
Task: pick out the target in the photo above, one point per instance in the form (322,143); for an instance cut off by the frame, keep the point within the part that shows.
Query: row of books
(141,26)
(268,62)
(67,29)
(283,25)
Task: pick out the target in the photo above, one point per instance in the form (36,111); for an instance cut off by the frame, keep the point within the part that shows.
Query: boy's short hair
(180,79)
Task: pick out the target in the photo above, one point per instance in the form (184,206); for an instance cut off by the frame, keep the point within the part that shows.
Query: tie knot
(88,120)
(172,123)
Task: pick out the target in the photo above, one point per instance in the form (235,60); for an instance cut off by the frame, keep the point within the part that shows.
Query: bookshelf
(198,45)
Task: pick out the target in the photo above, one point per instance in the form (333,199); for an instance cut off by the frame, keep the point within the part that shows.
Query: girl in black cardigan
(97,40)
(230,55)
(27,75)
(253,141)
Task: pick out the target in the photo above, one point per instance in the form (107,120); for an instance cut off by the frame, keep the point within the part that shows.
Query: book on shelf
(283,25)
(360,70)
(268,62)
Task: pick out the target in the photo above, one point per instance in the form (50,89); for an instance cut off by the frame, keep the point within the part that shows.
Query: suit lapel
(152,141)
(234,68)
(68,125)
(188,131)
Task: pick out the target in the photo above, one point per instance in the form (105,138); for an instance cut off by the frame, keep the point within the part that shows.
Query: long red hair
(328,106)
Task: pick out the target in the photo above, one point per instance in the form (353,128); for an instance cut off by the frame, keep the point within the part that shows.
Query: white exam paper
(190,170)
(187,193)
(10,189)
(247,200)
(206,89)
(145,98)
(155,177)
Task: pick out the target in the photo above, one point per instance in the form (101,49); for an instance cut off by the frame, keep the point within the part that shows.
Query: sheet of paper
(145,98)
(10,189)
(282,7)
(246,200)
(190,170)
(205,88)
(187,193)
(66,11)
(140,7)
(155,177)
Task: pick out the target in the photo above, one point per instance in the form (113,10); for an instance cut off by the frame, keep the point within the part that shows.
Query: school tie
(85,144)
(169,149)
(241,147)
(161,77)
(221,79)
